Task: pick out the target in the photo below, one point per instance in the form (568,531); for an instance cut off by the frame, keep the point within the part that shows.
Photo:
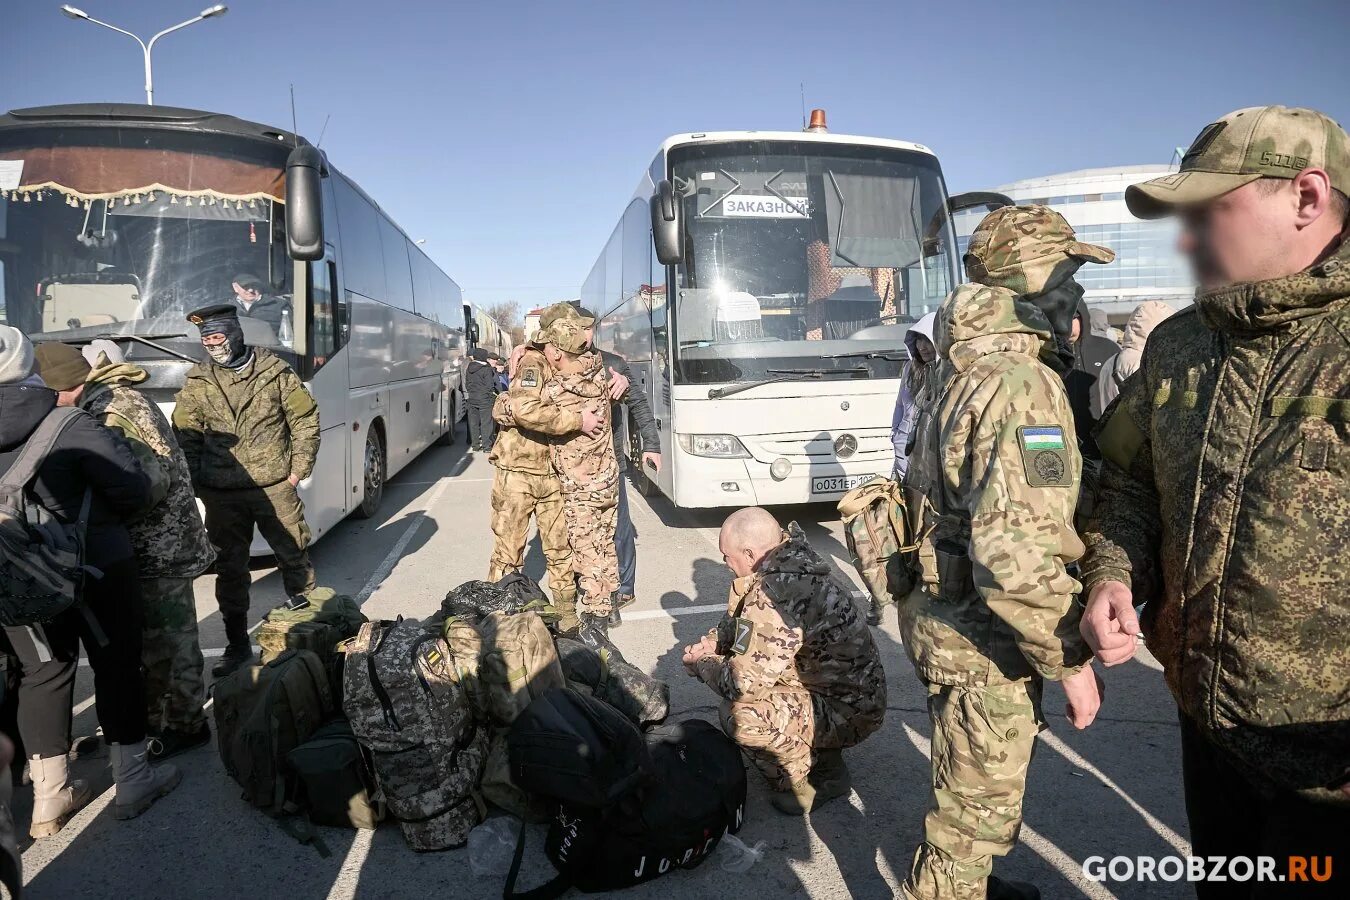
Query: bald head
(747,535)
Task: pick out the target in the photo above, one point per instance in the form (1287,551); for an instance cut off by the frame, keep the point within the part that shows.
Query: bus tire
(374,470)
(643,484)
(447,438)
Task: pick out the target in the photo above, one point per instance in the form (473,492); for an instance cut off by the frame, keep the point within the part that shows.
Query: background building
(1147,265)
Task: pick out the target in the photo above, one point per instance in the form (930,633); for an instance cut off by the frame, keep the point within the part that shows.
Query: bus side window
(328,325)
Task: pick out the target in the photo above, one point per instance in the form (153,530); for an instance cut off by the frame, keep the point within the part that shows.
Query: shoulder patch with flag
(1045,456)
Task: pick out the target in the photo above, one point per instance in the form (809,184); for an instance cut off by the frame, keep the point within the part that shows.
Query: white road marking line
(349,876)
(449,478)
(1180,844)
(1035,841)
(648,614)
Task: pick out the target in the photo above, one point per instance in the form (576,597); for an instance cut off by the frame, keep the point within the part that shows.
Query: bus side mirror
(666,230)
(472,333)
(304,203)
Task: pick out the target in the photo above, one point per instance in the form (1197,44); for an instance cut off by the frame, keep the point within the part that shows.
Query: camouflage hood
(976,320)
(103,378)
(793,557)
(1273,305)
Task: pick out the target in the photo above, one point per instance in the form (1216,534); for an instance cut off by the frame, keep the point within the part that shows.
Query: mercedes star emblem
(845,446)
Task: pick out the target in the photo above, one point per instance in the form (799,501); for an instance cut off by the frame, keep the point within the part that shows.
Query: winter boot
(139,784)
(55,797)
(171,741)
(238,647)
(998,889)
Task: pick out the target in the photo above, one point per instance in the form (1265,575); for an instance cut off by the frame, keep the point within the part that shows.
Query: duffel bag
(643,699)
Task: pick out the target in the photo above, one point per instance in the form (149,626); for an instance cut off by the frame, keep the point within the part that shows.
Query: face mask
(221,353)
(1060,305)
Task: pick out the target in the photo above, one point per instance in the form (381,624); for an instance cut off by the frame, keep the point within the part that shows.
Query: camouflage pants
(515,497)
(983,739)
(280,517)
(780,733)
(591,518)
(171,655)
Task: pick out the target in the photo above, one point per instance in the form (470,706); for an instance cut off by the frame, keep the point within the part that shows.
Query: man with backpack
(170,541)
(87,477)
(793,661)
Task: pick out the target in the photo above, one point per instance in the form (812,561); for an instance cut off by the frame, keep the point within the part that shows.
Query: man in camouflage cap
(250,432)
(995,471)
(1224,505)
(793,661)
(525,483)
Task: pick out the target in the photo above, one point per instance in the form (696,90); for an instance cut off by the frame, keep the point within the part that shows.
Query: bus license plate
(839,484)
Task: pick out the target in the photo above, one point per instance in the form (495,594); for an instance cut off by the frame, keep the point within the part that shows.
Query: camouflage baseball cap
(1247,144)
(566,308)
(1027,249)
(567,333)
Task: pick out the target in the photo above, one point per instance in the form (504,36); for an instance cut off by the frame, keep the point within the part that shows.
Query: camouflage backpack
(413,710)
(877,535)
(42,567)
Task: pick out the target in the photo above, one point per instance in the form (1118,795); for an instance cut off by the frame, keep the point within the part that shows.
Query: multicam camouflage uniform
(525,483)
(996,471)
(797,669)
(244,432)
(171,549)
(587,470)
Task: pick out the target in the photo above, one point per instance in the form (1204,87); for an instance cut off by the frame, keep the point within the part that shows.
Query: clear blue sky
(510,134)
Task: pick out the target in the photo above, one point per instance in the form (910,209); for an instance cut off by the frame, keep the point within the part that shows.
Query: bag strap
(549,890)
(38,445)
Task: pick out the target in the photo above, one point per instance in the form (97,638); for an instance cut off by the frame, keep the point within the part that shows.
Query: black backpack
(670,805)
(338,778)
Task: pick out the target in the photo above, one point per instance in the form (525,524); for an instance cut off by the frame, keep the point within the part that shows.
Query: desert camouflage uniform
(995,472)
(589,474)
(525,483)
(171,549)
(244,433)
(1225,506)
(797,669)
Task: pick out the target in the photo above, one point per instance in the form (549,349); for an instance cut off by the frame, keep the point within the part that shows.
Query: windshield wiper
(149,341)
(869,354)
(781,375)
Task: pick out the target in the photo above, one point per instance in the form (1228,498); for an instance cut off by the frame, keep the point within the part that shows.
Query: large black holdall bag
(636,814)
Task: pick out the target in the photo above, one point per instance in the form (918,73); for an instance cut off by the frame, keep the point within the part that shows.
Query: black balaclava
(234,353)
(1060,303)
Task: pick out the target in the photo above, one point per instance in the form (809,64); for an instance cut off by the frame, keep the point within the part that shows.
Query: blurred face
(590,336)
(1076,331)
(244,294)
(924,347)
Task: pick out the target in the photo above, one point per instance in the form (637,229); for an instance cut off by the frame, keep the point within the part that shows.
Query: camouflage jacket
(586,465)
(1225,505)
(995,471)
(250,428)
(796,627)
(170,540)
(529,420)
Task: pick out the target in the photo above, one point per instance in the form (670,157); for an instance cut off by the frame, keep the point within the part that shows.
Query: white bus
(484,331)
(760,285)
(116,220)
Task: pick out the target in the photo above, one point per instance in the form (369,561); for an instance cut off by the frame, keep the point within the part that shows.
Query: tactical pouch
(956,578)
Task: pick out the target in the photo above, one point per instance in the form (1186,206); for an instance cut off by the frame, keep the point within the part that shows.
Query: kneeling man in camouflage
(793,661)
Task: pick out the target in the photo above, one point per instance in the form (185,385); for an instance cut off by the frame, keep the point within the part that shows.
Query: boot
(55,797)
(238,649)
(172,741)
(875,611)
(830,770)
(139,784)
(619,602)
(998,889)
(594,633)
(804,796)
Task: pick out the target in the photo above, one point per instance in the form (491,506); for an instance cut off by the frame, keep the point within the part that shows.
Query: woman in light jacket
(915,388)
(1115,370)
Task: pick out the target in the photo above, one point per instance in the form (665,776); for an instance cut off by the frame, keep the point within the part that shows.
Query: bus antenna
(802,86)
(295,127)
(324,129)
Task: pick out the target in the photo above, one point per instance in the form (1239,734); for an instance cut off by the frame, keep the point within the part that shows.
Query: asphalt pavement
(1114,789)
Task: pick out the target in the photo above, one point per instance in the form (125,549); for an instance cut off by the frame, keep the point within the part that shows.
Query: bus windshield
(799,254)
(102,234)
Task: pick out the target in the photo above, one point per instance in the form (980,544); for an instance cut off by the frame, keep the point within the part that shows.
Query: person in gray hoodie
(915,388)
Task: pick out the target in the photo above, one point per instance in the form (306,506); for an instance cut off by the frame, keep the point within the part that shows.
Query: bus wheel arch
(374,471)
(447,437)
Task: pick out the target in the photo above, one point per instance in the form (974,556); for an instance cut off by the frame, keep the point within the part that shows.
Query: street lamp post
(146,46)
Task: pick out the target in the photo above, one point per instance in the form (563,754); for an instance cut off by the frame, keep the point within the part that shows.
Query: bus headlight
(717,446)
(780,469)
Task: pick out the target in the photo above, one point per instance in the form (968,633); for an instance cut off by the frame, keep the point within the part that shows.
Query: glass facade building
(1147,265)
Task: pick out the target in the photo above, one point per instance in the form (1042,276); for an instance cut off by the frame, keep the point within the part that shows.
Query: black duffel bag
(668,810)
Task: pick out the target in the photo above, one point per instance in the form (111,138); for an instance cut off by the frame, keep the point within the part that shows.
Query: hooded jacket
(907,405)
(170,541)
(1143,320)
(480,380)
(808,635)
(1225,506)
(86,456)
(995,475)
(245,428)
